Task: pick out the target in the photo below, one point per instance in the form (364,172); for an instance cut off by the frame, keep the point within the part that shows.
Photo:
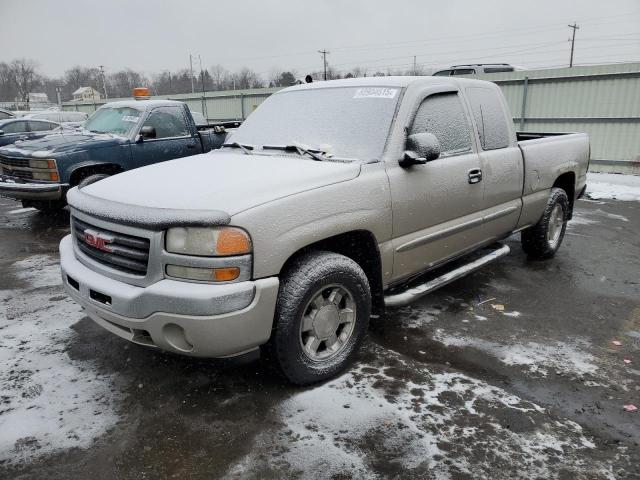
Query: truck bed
(546,158)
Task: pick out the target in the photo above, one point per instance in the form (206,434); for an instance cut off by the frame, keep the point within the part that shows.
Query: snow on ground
(613,186)
(48,401)
(418,419)
(565,358)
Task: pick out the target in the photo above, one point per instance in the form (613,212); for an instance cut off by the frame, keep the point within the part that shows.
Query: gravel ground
(508,373)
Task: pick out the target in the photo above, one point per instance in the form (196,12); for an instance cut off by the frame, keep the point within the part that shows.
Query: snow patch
(539,358)
(48,401)
(613,186)
(414,418)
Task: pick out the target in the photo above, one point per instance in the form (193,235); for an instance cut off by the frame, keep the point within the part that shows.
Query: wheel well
(567,182)
(362,248)
(83,172)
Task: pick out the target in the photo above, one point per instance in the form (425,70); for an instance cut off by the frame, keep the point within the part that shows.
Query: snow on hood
(229,182)
(59,143)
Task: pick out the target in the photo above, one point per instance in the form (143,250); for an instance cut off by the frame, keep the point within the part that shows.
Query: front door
(174,138)
(437,206)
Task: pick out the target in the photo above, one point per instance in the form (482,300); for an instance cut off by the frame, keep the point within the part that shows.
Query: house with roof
(86,94)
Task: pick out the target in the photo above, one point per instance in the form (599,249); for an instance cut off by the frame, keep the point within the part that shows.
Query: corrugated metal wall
(217,106)
(602,100)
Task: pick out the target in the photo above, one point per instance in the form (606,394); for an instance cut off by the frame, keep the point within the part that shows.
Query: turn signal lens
(233,241)
(226,274)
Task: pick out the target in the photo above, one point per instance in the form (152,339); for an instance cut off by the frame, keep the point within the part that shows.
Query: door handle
(475,175)
(191,145)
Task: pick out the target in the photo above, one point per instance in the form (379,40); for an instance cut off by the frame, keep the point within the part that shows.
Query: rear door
(174,137)
(500,158)
(437,206)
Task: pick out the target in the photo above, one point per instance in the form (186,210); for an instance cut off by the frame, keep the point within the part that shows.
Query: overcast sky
(152,36)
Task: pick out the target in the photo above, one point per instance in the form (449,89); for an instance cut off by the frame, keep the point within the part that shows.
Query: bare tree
(247,78)
(24,75)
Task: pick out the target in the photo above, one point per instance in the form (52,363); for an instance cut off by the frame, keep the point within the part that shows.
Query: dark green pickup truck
(119,136)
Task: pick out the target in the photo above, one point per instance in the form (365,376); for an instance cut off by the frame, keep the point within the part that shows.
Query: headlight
(208,242)
(49,164)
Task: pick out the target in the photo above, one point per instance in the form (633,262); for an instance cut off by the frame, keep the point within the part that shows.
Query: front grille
(17,173)
(14,162)
(128,253)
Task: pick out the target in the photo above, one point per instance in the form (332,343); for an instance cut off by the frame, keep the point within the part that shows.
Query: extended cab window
(442,114)
(168,122)
(491,121)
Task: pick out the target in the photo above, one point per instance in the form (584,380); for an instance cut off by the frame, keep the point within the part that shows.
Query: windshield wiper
(314,153)
(246,148)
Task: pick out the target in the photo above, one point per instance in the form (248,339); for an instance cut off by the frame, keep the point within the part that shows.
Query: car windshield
(346,122)
(116,120)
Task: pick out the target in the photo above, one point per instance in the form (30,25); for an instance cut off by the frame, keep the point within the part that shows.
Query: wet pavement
(508,373)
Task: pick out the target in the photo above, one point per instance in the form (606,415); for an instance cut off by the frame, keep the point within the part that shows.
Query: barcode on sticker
(375,92)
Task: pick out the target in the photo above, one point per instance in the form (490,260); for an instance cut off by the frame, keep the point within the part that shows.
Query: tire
(92,179)
(543,240)
(309,311)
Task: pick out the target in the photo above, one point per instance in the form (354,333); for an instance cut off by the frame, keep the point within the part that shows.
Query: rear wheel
(544,239)
(322,316)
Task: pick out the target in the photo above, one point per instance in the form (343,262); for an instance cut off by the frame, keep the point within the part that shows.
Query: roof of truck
(391,81)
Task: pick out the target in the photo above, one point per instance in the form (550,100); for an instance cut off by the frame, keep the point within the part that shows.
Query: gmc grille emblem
(98,240)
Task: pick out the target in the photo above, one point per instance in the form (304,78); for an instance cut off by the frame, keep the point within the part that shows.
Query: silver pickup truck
(332,201)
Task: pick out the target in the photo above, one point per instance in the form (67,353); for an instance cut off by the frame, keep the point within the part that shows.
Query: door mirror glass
(421,148)
(1,132)
(147,132)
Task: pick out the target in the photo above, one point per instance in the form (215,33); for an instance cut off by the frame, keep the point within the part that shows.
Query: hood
(61,143)
(229,182)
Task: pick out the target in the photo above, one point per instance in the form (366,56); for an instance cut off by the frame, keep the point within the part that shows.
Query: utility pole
(415,70)
(104,82)
(193,90)
(573,41)
(59,95)
(324,61)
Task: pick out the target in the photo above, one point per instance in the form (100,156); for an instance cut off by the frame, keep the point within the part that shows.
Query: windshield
(349,122)
(116,120)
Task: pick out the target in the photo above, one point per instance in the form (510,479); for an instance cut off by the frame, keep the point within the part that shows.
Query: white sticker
(129,118)
(375,92)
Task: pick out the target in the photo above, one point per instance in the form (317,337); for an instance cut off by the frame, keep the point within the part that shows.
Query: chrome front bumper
(17,188)
(200,320)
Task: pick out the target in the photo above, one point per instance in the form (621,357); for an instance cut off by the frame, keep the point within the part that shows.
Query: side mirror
(147,132)
(219,129)
(1,132)
(421,148)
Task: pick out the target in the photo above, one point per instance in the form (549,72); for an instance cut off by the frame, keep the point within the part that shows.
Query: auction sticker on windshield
(129,118)
(375,92)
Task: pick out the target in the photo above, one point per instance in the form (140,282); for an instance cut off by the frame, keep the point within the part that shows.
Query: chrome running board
(414,293)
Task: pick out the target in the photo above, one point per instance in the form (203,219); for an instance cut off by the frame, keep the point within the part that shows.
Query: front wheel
(544,239)
(322,316)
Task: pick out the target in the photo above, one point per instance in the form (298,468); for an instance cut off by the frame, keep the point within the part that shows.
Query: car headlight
(48,164)
(208,241)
